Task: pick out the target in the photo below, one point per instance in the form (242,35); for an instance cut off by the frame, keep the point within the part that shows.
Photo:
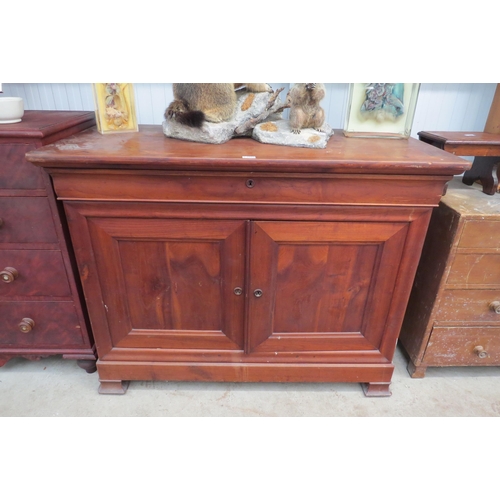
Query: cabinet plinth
(191,272)
(41,305)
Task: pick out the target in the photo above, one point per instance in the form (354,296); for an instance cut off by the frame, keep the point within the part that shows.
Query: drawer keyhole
(250,183)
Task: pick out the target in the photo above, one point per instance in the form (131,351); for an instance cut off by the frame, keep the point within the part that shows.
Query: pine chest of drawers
(246,262)
(40,303)
(453,315)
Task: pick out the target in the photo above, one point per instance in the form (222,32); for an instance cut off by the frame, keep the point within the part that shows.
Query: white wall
(440,106)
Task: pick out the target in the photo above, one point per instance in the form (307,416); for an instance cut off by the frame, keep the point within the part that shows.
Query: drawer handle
(26,325)
(238,290)
(258,293)
(479,350)
(495,306)
(9,274)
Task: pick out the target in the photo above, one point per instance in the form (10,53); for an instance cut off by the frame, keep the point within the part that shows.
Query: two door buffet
(244,261)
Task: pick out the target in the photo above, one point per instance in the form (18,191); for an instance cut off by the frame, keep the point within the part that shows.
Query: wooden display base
(485,170)
(484,146)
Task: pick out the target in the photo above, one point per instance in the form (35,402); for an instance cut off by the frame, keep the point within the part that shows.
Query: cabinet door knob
(495,306)
(26,325)
(238,290)
(479,350)
(8,275)
(258,292)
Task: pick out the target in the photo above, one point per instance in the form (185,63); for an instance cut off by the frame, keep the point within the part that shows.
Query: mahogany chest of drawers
(246,262)
(453,316)
(40,303)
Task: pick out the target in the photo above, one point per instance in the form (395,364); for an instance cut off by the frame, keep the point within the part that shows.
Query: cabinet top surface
(150,149)
(40,124)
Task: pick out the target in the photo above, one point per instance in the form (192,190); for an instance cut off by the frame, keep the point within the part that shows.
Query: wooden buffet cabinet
(40,303)
(245,261)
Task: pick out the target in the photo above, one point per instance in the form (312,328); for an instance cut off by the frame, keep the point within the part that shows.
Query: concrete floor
(54,387)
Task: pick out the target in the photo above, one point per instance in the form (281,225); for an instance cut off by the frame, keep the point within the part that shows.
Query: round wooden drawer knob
(8,275)
(479,350)
(26,325)
(495,306)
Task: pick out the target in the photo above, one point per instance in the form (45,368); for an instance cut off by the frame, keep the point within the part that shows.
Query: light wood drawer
(475,269)
(462,346)
(55,324)
(468,306)
(26,220)
(481,234)
(15,171)
(39,273)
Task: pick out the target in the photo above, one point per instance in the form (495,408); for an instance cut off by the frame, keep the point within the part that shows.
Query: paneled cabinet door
(321,286)
(170,284)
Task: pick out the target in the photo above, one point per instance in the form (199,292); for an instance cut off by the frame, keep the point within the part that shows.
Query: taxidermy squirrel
(305,111)
(195,103)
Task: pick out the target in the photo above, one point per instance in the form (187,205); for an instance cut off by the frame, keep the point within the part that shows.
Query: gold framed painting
(115,107)
(382,110)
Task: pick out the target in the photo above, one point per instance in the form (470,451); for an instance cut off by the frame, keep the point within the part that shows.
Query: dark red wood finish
(244,261)
(36,265)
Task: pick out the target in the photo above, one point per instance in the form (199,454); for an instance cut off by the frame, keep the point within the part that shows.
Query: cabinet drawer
(468,306)
(241,188)
(480,234)
(55,324)
(39,273)
(461,346)
(26,220)
(475,269)
(15,171)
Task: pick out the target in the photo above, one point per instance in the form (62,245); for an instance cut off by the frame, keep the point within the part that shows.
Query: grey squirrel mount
(306,127)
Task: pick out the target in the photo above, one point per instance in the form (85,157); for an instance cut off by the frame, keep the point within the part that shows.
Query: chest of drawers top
(471,202)
(46,126)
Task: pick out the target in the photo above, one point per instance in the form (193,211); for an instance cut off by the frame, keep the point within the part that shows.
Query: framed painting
(383,110)
(115,107)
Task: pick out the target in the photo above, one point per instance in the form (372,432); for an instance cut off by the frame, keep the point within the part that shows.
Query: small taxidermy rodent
(305,111)
(195,103)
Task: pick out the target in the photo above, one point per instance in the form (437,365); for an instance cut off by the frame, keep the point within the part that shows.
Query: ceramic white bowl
(11,109)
